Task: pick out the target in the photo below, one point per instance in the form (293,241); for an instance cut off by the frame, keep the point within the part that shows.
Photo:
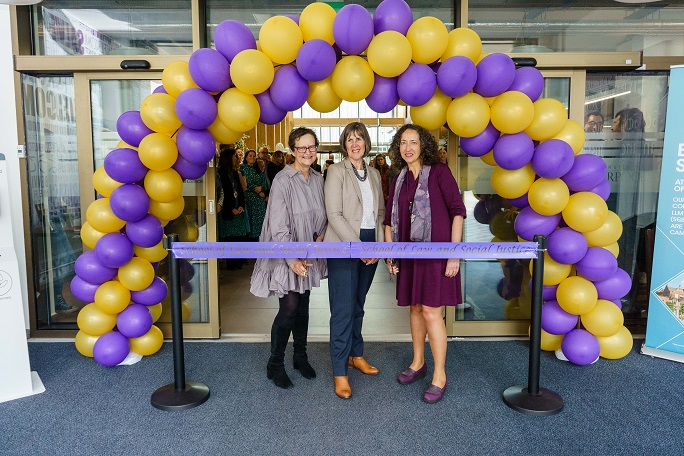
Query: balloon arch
(323,57)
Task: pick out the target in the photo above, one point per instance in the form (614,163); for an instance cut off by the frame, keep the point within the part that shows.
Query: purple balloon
(269,113)
(146,232)
(456,76)
(196,146)
(111,348)
(196,108)
(210,70)
(188,170)
(114,250)
(383,96)
(124,165)
(129,202)
(598,264)
(392,15)
(567,246)
(152,295)
(134,321)
(528,223)
(602,190)
(495,74)
(587,172)
(555,320)
(353,29)
(294,17)
(289,89)
(548,291)
(614,287)
(160,89)
(552,159)
(186,270)
(521,201)
(529,81)
(82,290)
(89,269)
(316,60)
(482,143)
(232,37)
(513,151)
(131,128)
(417,84)
(580,347)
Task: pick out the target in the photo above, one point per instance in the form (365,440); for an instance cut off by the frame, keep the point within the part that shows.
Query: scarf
(421,223)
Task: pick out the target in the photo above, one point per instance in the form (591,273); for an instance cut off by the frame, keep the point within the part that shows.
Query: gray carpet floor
(631,406)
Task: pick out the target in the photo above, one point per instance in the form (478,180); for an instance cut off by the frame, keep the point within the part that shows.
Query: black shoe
(301,363)
(276,372)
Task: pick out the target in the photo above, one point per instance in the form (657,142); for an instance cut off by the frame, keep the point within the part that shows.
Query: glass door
(109,96)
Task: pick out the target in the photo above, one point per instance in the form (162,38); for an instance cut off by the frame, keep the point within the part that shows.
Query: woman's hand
(299,267)
(239,210)
(392,266)
(369,261)
(452,267)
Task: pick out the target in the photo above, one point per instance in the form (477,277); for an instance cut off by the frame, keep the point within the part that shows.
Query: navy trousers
(349,280)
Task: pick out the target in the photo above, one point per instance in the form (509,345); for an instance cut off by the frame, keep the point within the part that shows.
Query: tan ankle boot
(342,388)
(361,364)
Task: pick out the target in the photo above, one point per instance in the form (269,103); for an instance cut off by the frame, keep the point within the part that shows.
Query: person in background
(355,210)
(296,214)
(255,194)
(231,222)
(316,166)
(384,169)
(424,205)
(593,122)
(289,158)
(442,153)
(274,166)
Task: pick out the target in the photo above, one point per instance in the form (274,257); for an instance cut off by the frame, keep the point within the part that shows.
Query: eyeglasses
(303,149)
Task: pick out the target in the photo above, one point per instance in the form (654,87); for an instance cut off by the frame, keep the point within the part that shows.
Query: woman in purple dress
(424,205)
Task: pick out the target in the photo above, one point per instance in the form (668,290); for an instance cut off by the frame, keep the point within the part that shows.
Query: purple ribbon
(410,250)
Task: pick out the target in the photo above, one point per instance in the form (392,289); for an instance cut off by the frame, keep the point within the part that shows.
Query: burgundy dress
(423,281)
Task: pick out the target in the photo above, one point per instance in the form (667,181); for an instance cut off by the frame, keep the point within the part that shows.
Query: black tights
(292,305)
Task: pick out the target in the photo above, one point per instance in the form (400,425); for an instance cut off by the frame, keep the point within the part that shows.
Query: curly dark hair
(428,147)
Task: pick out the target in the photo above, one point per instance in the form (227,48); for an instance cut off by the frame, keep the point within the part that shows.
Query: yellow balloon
(512,112)
(316,22)
(165,317)
(94,322)
(156,311)
(613,248)
(550,342)
(223,134)
(554,273)
(577,295)
(149,343)
(176,78)
(104,185)
(164,186)
(112,297)
(512,183)
(389,54)
(488,158)
(606,234)
(616,346)
(549,119)
(428,37)
(167,211)
(468,115)
(90,235)
(352,78)
(158,152)
(322,96)
(186,228)
(158,112)
(239,111)
(465,42)
(151,254)
(280,39)
(604,320)
(101,217)
(85,343)
(548,196)
(573,134)
(432,115)
(252,71)
(137,274)
(586,211)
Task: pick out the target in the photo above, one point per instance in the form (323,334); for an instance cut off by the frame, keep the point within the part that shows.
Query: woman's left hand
(369,261)
(452,267)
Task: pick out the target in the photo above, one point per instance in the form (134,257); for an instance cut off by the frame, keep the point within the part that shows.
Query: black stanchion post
(180,395)
(533,400)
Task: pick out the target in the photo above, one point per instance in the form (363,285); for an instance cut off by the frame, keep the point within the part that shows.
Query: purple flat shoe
(410,375)
(434,393)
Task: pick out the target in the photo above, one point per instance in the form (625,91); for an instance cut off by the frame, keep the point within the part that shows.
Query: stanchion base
(169,398)
(545,403)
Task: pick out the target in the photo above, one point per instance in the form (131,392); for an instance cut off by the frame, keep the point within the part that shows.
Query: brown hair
(298,133)
(359,129)
(428,147)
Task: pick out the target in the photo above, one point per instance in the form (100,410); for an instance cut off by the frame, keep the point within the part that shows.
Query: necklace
(365,172)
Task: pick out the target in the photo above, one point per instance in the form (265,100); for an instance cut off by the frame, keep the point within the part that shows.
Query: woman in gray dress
(295,213)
